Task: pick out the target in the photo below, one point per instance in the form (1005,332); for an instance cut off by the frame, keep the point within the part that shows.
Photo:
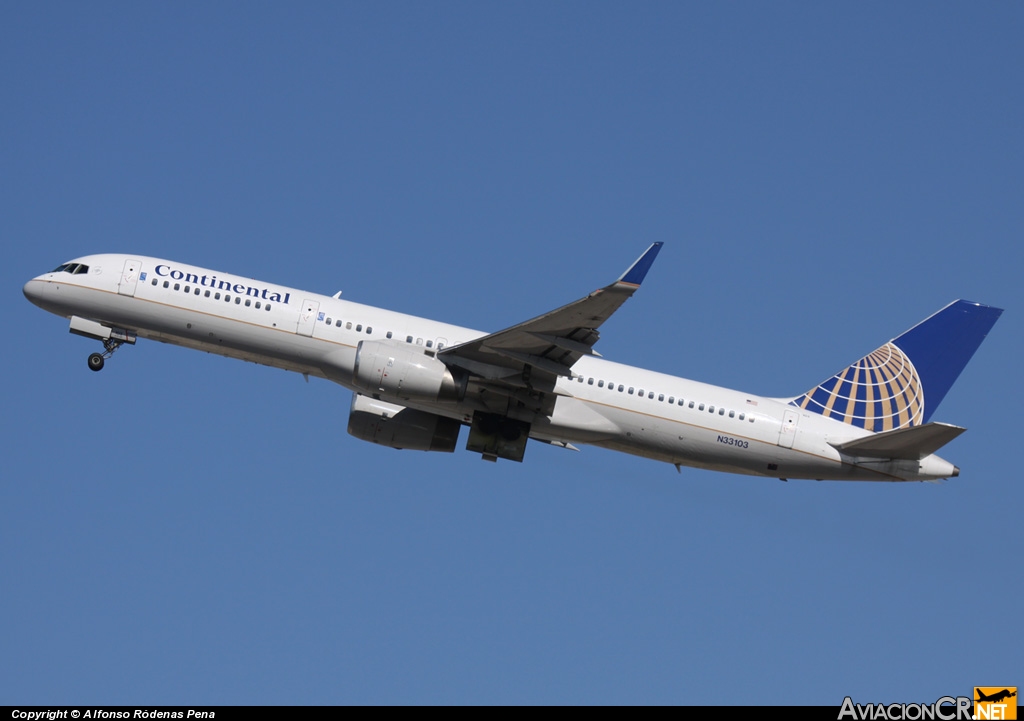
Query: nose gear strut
(96,360)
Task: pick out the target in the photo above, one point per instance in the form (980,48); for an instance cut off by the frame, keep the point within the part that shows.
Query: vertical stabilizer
(902,383)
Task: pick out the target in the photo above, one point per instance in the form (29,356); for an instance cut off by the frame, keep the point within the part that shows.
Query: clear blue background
(184,528)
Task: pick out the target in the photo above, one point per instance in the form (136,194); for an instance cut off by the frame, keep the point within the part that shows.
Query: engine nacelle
(397,427)
(390,368)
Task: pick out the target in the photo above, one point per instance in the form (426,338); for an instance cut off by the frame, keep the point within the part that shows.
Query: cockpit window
(73,268)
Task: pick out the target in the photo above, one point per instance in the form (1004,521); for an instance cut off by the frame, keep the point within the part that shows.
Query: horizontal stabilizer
(912,443)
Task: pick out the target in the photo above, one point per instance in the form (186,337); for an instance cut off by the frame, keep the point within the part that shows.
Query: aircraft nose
(33,291)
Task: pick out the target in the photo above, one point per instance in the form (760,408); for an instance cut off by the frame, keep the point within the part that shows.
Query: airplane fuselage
(606,404)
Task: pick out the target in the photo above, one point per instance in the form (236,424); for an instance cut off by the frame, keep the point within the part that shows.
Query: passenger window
(216,296)
(359,328)
(430,344)
(590,381)
(329,321)
(732,414)
(369,330)
(238,299)
(671,400)
(579,379)
(227,298)
(166,284)
(154,281)
(742,415)
(207,295)
(721,411)
(196,291)
(620,388)
(388,334)
(248,303)
(257,304)
(751,419)
(699,408)
(267,306)
(337,323)
(650,395)
(177,286)
(631,390)
(187,289)
(691,405)
(408,339)
(600,384)
(348,326)
(440,346)
(711,409)
(419,341)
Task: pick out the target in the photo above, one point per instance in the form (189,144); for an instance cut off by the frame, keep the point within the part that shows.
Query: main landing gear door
(307,317)
(495,437)
(129,278)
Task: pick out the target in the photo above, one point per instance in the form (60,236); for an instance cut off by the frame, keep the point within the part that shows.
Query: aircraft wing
(912,443)
(535,353)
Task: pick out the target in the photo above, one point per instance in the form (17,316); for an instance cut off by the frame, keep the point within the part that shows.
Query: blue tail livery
(902,383)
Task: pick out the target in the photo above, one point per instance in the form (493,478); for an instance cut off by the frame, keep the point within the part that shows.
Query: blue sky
(184,528)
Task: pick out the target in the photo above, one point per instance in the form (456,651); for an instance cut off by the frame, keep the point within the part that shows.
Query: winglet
(637,271)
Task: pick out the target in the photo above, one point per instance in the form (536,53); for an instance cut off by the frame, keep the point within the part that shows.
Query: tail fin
(902,383)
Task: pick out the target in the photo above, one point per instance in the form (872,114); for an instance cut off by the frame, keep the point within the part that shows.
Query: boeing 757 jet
(416,382)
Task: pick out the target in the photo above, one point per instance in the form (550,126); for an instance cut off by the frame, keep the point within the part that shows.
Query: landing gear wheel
(95,362)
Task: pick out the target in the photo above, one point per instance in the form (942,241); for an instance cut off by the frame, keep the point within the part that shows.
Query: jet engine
(396,427)
(389,368)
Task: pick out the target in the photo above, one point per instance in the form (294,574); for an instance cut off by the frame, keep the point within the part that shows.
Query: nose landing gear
(113,338)
(96,360)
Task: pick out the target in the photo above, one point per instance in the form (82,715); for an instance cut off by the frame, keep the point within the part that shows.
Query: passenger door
(787,434)
(307,317)
(129,278)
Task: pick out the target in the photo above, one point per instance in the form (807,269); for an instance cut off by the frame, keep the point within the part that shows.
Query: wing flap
(912,443)
(541,362)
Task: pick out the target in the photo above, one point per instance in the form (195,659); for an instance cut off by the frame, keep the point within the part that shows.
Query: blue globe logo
(880,392)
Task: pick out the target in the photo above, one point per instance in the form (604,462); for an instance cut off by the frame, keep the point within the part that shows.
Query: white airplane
(416,382)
